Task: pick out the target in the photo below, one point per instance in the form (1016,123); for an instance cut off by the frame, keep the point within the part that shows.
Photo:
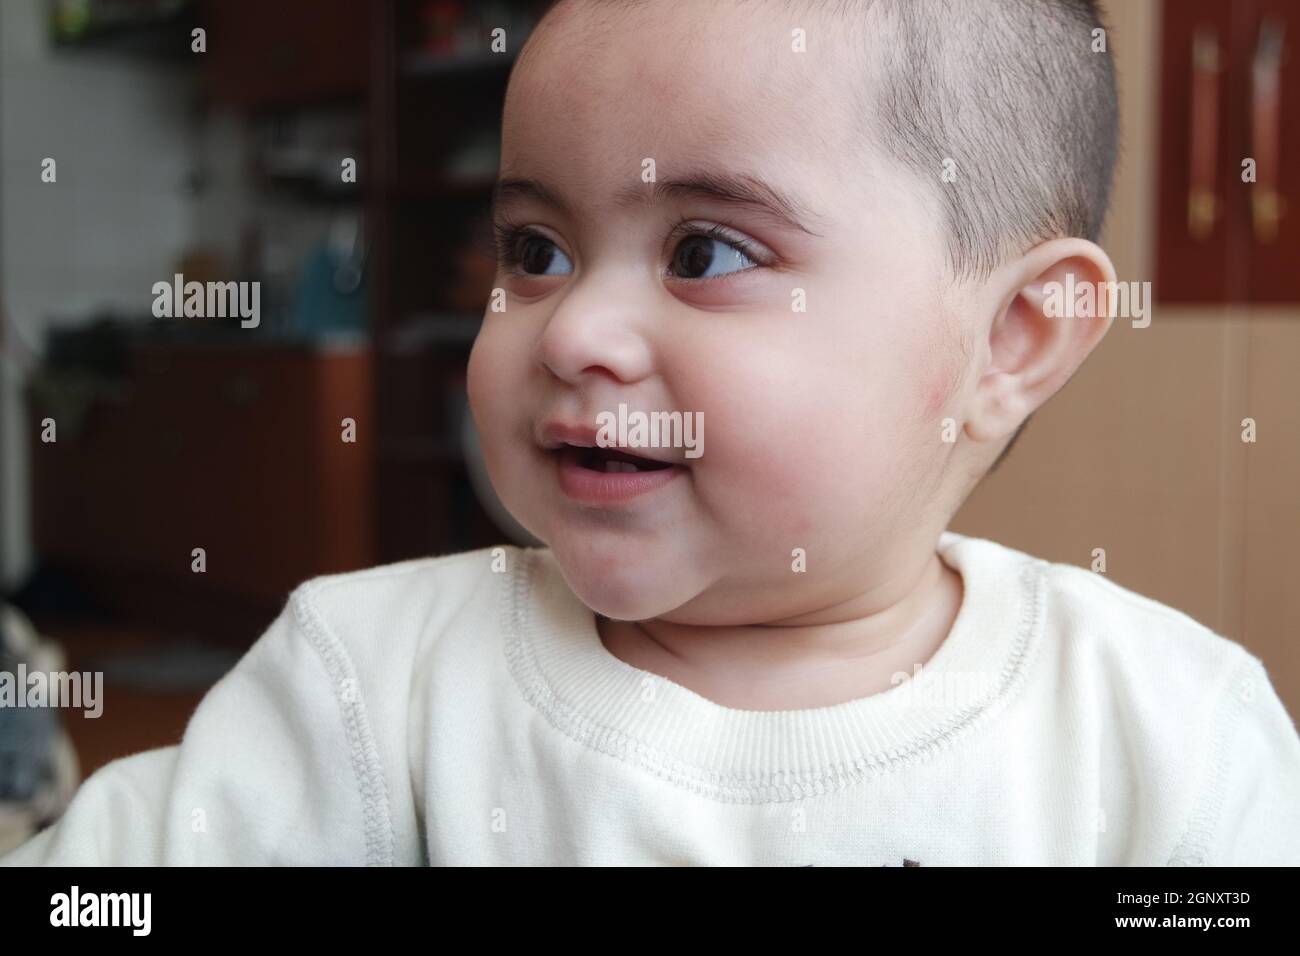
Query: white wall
(124,138)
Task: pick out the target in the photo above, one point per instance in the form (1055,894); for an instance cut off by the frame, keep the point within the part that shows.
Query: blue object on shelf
(331,294)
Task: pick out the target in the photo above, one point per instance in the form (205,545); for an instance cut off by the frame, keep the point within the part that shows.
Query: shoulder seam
(399,569)
(371,786)
(1192,848)
(1134,599)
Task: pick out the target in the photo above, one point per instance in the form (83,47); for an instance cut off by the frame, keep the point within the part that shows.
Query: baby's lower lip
(606,488)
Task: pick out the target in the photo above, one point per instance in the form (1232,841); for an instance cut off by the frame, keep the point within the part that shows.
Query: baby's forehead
(686,54)
(721,83)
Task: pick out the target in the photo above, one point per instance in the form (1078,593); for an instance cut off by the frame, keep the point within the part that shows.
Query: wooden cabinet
(1229,160)
(287,53)
(235,450)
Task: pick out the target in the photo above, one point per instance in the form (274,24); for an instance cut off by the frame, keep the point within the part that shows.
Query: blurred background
(230,163)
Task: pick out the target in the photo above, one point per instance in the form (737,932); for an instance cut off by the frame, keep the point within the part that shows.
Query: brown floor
(132,720)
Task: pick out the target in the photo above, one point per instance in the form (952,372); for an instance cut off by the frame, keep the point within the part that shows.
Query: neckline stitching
(779,786)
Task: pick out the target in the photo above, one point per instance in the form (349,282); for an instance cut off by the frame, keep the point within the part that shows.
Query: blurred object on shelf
(96,345)
(453,28)
(305,151)
(67,395)
(146,27)
(440,19)
(203,265)
(476,159)
(331,293)
(222,288)
(38,765)
(84,364)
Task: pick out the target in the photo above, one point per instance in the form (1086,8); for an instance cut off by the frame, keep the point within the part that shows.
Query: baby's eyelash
(683,228)
(508,235)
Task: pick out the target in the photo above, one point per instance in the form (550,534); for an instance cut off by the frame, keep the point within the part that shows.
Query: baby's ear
(1052,308)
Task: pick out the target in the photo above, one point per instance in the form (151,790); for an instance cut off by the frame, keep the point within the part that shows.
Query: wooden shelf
(421,331)
(427,118)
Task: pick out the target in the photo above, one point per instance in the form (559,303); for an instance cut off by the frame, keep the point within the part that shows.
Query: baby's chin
(626,587)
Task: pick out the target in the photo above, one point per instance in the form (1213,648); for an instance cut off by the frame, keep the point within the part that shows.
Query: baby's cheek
(941,373)
(785,441)
(494,391)
(936,397)
(796,482)
(756,471)
(483,383)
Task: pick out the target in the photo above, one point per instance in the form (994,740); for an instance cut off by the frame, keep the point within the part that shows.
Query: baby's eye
(704,253)
(709,254)
(531,253)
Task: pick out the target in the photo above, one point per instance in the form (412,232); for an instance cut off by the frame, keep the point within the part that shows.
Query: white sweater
(440,711)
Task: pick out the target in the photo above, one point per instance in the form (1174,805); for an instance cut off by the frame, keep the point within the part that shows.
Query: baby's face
(822,427)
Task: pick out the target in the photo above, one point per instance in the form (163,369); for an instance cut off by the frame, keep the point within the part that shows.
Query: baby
(827,231)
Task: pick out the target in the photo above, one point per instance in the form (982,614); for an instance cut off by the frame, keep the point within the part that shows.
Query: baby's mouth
(609,460)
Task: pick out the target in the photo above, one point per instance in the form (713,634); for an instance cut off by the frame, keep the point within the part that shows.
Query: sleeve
(1249,811)
(276,766)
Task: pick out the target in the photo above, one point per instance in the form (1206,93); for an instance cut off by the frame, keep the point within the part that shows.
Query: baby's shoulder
(1096,618)
(1095,628)
(1139,670)
(397,607)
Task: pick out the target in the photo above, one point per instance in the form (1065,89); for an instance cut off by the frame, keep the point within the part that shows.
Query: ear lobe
(1034,346)
(998,408)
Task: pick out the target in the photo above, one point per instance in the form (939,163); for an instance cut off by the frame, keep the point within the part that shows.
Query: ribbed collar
(747,756)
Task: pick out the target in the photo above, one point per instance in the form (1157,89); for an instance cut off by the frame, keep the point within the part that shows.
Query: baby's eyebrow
(735,189)
(510,188)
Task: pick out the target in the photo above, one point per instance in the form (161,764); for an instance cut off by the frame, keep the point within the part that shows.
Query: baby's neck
(793,666)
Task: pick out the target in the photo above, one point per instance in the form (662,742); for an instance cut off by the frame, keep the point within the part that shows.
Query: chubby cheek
(800,450)
(486,387)
(494,378)
(772,453)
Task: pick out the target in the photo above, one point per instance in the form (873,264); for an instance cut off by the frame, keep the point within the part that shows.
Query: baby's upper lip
(557,434)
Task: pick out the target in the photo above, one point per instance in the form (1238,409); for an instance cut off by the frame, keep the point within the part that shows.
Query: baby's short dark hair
(1015,100)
